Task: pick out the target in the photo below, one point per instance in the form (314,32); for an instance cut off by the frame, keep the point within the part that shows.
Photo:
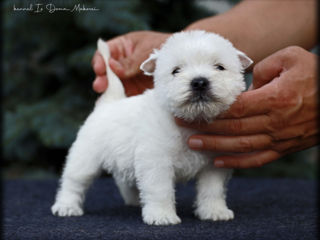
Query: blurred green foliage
(47,90)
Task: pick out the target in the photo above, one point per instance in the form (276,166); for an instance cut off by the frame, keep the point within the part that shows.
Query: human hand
(127,53)
(276,117)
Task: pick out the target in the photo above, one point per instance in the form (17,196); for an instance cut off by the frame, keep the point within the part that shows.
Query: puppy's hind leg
(80,170)
(130,194)
(211,194)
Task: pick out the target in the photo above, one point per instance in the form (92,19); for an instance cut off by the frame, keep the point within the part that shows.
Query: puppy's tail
(115,90)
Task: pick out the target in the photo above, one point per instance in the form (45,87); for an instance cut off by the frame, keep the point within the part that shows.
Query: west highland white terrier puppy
(197,76)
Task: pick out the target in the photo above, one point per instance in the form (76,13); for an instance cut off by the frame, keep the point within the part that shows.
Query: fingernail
(195,143)
(218,163)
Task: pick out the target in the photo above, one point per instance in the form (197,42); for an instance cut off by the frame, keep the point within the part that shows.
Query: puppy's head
(197,75)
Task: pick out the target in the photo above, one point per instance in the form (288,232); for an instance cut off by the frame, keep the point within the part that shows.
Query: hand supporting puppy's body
(136,139)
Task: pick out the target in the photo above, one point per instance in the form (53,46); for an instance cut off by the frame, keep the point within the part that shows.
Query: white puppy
(197,76)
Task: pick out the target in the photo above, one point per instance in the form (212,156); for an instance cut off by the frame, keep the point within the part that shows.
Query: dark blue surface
(264,209)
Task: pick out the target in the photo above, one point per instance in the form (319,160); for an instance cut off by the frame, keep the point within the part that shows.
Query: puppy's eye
(220,67)
(175,71)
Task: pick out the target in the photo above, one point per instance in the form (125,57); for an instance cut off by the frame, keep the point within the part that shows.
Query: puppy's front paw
(159,216)
(66,210)
(217,212)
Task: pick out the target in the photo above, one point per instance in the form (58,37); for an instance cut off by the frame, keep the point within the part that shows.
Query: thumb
(129,66)
(266,70)
(117,67)
(135,62)
(126,56)
(121,50)
(126,68)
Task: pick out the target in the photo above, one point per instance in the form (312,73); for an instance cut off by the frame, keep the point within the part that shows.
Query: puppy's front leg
(211,194)
(155,180)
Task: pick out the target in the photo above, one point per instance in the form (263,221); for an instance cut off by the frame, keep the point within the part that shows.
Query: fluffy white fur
(136,139)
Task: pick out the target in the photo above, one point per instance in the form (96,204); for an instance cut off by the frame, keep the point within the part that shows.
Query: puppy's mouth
(199,106)
(201,97)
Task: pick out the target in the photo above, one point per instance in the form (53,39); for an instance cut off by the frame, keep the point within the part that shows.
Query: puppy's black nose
(199,84)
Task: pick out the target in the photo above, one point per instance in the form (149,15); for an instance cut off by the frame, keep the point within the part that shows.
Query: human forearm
(261,27)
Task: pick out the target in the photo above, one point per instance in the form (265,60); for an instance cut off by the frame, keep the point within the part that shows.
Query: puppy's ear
(149,65)
(244,60)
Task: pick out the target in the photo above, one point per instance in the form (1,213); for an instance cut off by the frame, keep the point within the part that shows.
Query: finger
(127,46)
(239,144)
(100,84)
(250,103)
(266,70)
(117,67)
(99,66)
(256,159)
(133,62)
(302,130)
(126,62)
(120,47)
(296,144)
(237,126)
(116,49)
